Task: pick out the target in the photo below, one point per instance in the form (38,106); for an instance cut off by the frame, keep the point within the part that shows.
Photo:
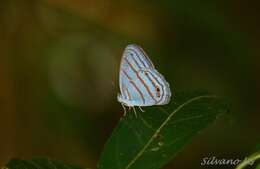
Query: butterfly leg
(135,111)
(124,109)
(141,109)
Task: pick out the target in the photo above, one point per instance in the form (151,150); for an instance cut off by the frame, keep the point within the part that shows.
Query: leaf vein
(139,154)
(184,119)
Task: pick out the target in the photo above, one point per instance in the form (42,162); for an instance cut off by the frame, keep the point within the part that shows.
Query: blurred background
(59,72)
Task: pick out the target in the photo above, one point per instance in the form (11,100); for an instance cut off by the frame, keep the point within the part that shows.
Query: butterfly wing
(138,55)
(131,85)
(158,85)
(140,83)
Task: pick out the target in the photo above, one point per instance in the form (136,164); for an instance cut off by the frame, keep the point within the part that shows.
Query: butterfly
(139,82)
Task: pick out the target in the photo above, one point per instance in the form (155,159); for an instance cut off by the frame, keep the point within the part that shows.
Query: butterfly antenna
(124,109)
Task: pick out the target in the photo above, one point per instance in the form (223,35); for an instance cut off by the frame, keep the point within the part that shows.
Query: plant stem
(248,160)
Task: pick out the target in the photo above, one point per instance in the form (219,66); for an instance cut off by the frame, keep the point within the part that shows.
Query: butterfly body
(140,83)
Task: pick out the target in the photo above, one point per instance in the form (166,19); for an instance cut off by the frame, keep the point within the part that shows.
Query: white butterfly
(140,83)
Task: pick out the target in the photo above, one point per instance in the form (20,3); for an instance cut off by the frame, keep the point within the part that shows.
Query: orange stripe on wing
(160,85)
(151,80)
(136,88)
(141,80)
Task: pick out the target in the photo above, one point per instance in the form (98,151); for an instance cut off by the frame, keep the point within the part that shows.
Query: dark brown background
(59,65)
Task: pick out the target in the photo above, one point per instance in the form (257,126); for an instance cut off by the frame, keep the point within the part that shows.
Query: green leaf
(38,164)
(155,136)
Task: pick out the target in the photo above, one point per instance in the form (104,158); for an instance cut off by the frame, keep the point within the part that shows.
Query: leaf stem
(248,160)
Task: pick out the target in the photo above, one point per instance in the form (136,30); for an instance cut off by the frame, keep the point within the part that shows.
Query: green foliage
(151,139)
(158,134)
